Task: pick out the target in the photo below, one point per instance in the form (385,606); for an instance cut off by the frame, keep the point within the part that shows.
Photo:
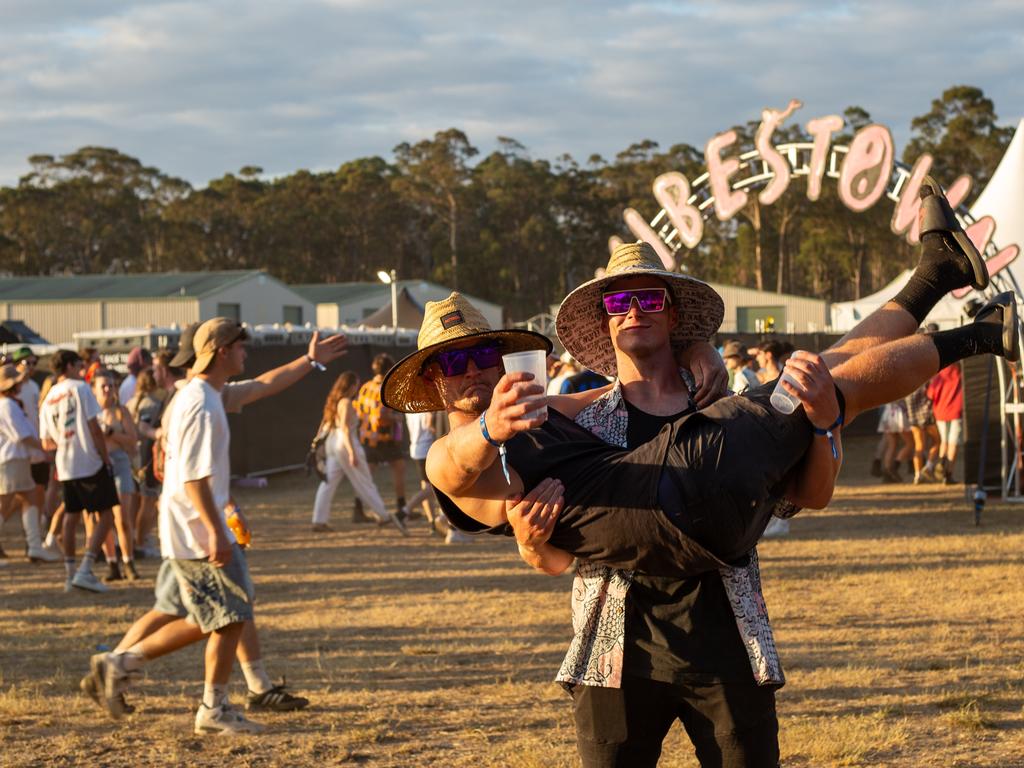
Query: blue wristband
(827,432)
(496,444)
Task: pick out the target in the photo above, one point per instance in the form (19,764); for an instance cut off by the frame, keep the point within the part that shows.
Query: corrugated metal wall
(803,315)
(58,321)
(139,314)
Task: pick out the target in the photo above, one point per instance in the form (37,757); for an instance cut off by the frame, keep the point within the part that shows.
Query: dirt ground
(898,623)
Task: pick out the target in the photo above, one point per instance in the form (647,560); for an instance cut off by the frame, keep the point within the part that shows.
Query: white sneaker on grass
(224,720)
(87,580)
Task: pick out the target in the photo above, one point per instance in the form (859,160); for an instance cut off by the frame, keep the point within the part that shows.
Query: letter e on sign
(727,202)
(867,168)
(770,120)
(672,191)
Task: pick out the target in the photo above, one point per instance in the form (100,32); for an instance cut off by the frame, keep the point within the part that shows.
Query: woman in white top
(122,441)
(422,434)
(17,488)
(346,458)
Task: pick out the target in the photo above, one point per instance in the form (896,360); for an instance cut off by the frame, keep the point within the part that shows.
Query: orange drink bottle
(243,534)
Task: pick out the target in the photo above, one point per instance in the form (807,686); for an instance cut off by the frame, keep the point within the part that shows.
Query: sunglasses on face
(648,299)
(454,362)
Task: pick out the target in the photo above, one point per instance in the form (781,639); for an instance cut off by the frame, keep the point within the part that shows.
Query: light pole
(391,278)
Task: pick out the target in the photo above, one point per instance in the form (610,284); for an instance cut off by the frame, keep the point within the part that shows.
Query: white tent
(1003,200)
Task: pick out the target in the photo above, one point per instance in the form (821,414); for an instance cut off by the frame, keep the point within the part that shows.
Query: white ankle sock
(256,676)
(129,661)
(215,695)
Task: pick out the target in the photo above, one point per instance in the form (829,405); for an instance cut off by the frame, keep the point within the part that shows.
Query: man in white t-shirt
(68,425)
(164,629)
(213,578)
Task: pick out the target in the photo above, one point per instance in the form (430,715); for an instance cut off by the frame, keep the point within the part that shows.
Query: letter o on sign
(867,168)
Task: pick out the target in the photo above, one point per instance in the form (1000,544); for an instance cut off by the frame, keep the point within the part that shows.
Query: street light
(391,278)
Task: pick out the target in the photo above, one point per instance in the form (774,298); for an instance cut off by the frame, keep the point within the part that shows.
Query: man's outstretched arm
(279,379)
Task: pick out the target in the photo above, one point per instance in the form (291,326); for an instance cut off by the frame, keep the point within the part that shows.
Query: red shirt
(947,393)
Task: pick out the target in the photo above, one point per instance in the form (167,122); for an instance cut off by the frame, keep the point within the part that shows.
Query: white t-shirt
(421,433)
(64,419)
(197,446)
(14,427)
(29,397)
(127,389)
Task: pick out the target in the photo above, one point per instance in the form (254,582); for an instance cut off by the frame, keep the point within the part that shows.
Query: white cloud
(202,88)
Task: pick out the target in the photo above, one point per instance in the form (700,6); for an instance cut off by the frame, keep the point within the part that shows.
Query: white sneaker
(777,528)
(456,537)
(223,720)
(88,582)
(43,554)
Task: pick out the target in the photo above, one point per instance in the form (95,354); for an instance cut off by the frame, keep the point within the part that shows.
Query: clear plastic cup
(532,361)
(781,400)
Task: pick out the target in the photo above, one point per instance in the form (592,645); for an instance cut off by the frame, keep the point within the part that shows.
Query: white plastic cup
(532,361)
(781,400)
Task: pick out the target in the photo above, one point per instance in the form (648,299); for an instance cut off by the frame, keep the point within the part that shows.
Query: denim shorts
(213,597)
(167,592)
(121,467)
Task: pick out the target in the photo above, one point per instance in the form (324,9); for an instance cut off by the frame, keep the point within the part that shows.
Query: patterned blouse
(599,592)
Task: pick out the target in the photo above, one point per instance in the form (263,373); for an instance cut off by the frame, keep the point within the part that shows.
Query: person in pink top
(947,395)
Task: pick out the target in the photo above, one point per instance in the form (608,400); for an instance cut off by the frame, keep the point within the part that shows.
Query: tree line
(507,227)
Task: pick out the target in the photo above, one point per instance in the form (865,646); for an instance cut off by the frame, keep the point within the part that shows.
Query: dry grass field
(898,621)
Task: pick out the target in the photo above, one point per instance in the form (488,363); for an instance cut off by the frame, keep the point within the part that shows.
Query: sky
(200,89)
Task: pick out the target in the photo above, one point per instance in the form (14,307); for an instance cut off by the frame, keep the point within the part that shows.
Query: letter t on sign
(727,202)
(821,128)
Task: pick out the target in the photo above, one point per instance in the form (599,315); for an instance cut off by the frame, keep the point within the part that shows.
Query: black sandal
(938,216)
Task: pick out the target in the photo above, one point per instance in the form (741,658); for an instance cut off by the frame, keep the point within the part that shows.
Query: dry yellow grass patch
(898,623)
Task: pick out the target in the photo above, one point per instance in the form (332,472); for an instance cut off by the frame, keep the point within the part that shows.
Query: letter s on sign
(672,191)
(867,168)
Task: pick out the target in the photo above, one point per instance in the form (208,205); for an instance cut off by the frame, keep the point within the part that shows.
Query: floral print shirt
(595,655)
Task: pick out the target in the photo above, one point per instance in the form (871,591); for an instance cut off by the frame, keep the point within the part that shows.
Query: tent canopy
(410,313)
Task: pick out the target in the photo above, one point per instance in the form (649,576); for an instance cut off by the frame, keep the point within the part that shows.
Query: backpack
(316,456)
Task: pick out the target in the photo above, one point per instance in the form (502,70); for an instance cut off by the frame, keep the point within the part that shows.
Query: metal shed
(58,307)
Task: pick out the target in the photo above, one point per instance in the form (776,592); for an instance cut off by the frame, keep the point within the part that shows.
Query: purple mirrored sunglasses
(648,299)
(454,362)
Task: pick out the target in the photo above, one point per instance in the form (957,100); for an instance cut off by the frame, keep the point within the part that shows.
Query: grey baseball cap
(185,355)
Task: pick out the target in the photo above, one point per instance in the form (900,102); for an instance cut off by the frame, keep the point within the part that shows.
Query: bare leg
(398,473)
(123,524)
(70,523)
(887,323)
(907,450)
(917,433)
(176,634)
(101,527)
(146,518)
(220,653)
(249,643)
(57,521)
(885,373)
(143,627)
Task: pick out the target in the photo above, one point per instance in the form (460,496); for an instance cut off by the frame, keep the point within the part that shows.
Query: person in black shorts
(68,425)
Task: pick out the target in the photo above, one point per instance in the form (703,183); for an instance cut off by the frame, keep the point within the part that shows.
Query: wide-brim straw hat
(699,307)
(445,323)
(10,377)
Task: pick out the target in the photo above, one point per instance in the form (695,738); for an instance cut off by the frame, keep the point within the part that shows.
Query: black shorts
(91,494)
(42,472)
(382,453)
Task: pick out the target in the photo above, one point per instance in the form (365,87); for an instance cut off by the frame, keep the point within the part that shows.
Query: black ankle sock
(966,341)
(942,269)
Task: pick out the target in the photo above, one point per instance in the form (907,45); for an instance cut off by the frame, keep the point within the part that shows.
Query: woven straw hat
(445,322)
(578,322)
(9,377)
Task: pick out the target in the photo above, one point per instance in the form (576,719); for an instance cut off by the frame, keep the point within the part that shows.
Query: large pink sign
(865,171)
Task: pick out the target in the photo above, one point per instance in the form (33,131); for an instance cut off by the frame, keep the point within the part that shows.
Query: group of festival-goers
(648,481)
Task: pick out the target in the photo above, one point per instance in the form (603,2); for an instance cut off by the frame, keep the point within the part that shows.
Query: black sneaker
(1001,310)
(277,699)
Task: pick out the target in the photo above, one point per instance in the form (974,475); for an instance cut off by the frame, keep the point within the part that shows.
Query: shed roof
(421,291)
(161,285)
